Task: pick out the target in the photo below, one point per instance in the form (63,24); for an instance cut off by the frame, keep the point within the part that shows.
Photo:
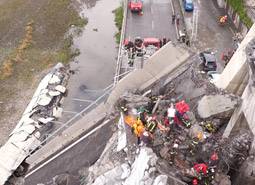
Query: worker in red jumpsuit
(201,168)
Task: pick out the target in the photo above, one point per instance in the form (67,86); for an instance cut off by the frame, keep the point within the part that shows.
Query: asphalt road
(155,21)
(210,35)
(83,154)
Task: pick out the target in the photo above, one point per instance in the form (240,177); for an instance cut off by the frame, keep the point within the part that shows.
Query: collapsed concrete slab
(26,135)
(220,106)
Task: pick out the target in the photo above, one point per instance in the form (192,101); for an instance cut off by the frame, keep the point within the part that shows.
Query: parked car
(135,5)
(188,5)
(213,76)
(208,61)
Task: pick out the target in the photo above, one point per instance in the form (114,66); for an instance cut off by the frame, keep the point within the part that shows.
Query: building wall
(236,79)
(232,78)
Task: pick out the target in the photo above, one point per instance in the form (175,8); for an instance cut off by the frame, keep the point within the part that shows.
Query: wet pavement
(210,35)
(95,66)
(155,21)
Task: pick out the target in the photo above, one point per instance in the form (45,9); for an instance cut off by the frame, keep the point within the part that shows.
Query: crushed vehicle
(135,6)
(213,76)
(208,61)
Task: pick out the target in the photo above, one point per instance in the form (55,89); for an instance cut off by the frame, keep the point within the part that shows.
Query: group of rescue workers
(136,48)
(144,122)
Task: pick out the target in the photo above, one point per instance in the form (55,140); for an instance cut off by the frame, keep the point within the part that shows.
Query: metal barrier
(80,114)
(123,30)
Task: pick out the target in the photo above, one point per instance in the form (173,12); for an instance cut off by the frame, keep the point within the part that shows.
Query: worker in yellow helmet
(138,129)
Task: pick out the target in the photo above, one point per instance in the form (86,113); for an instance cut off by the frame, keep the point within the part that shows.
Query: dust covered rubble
(43,108)
(130,166)
(181,150)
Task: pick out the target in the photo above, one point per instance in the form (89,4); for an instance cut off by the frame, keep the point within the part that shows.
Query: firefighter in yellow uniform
(138,129)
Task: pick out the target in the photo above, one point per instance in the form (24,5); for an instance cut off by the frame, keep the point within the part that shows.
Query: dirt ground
(32,39)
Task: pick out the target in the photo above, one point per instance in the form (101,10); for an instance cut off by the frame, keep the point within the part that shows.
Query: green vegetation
(36,44)
(238,6)
(33,38)
(118,22)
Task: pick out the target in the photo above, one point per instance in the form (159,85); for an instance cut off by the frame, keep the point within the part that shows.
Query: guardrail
(123,30)
(80,114)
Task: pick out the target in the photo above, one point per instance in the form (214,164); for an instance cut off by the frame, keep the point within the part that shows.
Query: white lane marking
(67,148)
(194,25)
(77,99)
(152,25)
(151,10)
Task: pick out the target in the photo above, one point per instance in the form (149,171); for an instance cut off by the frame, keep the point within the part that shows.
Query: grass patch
(238,6)
(29,47)
(118,21)
(32,40)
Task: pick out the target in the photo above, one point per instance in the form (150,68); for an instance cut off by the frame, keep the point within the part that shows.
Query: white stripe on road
(67,148)
(77,99)
(151,10)
(152,25)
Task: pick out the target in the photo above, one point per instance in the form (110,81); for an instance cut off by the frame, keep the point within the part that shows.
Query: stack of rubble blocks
(186,136)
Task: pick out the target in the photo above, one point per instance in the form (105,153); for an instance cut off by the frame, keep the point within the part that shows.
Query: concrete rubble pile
(181,123)
(30,131)
(130,166)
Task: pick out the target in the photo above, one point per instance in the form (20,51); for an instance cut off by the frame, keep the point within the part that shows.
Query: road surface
(209,34)
(155,21)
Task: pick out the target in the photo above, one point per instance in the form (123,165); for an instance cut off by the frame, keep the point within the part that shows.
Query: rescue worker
(138,129)
(200,170)
(173,18)
(214,159)
(142,112)
(188,43)
(178,19)
(164,41)
(223,19)
(194,182)
(171,114)
(210,127)
(151,124)
(146,137)
(160,43)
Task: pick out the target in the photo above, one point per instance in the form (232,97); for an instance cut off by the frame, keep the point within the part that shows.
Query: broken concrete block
(220,106)
(66,179)
(57,112)
(54,93)
(60,88)
(133,100)
(164,152)
(160,180)
(44,100)
(221,179)
(125,171)
(54,80)
(196,131)
(246,175)
(45,120)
